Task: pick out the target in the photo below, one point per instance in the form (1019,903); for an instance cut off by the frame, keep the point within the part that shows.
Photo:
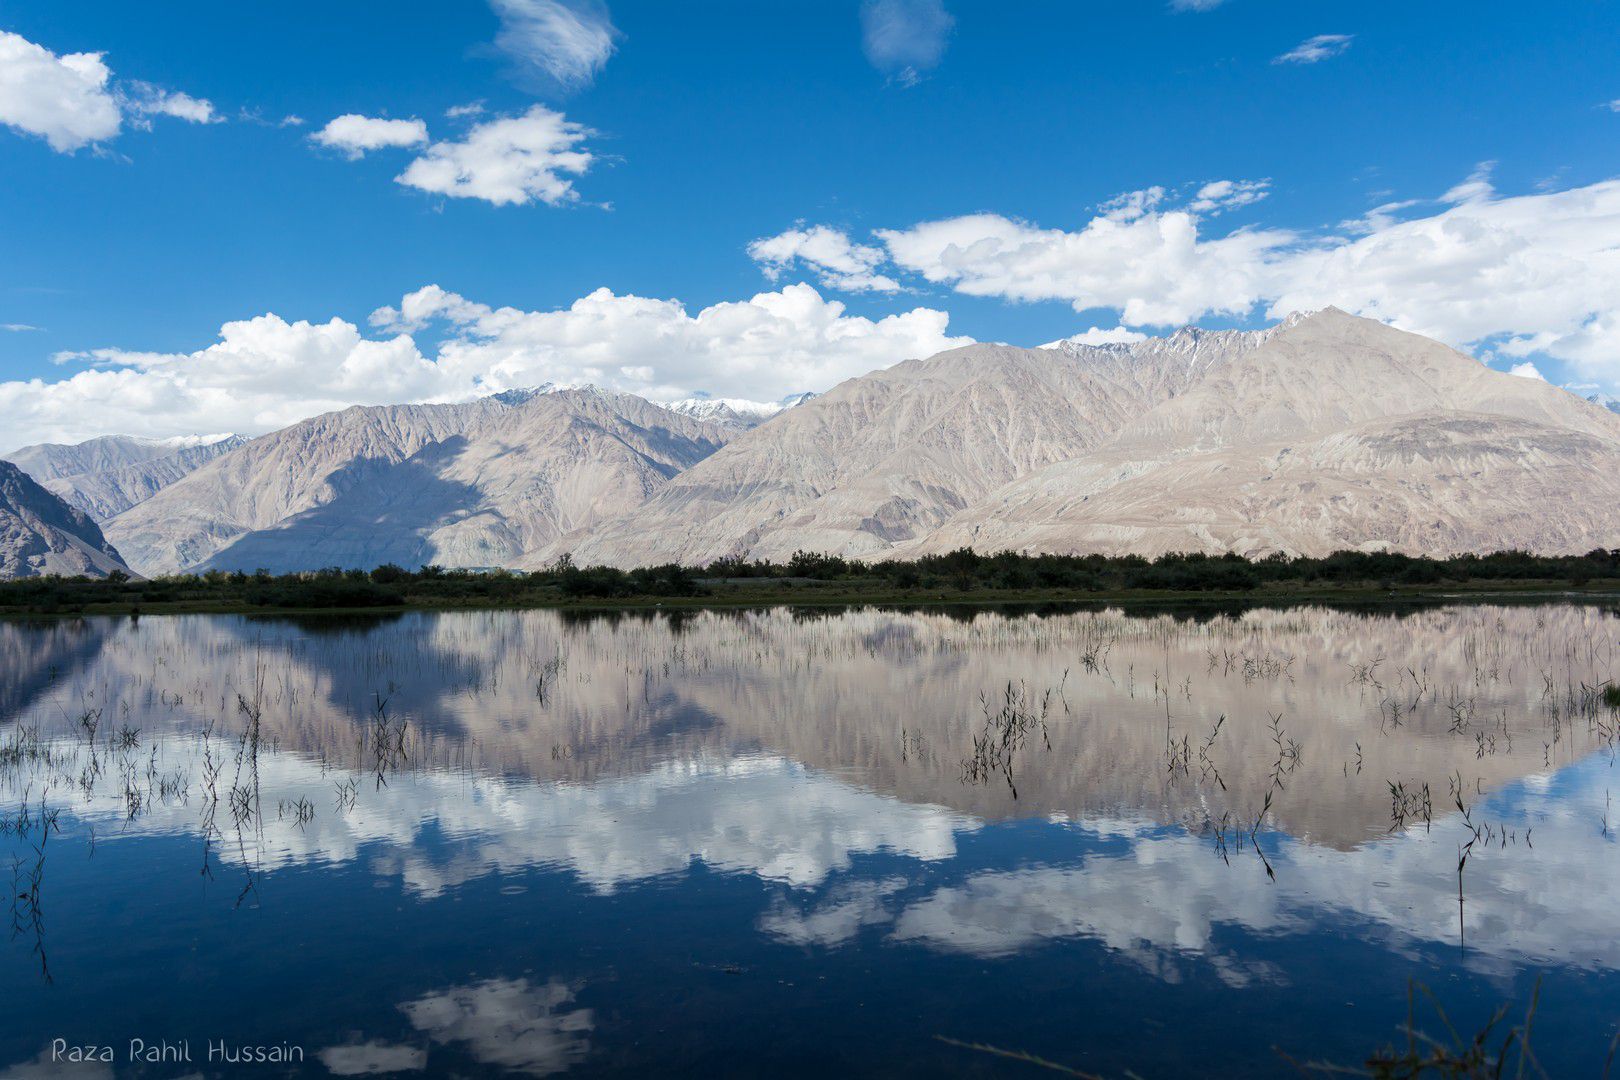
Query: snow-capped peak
(735,412)
(184,442)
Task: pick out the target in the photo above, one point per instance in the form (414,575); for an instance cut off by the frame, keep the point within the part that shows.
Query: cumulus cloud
(64,100)
(1316,49)
(555,43)
(262,373)
(1539,272)
(772,344)
(71,101)
(266,372)
(354,135)
(1521,275)
(1527,370)
(904,38)
(829,253)
(510,161)
(1147,262)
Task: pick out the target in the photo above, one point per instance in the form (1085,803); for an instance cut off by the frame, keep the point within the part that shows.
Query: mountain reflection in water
(574,826)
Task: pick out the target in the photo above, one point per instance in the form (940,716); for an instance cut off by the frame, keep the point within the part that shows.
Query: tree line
(961,571)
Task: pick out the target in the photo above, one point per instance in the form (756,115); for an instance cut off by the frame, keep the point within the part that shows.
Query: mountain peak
(521,395)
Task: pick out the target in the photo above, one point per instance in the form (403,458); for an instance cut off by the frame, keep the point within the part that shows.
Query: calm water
(787,843)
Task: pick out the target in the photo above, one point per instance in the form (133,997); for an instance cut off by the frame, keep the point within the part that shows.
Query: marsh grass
(1496,1050)
(1492,1052)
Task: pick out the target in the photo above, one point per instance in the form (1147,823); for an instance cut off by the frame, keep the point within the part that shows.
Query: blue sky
(954,166)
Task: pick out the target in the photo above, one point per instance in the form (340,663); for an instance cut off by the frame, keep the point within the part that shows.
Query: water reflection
(508,1023)
(1169,791)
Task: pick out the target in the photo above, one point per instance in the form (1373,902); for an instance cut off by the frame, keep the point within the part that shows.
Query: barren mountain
(42,535)
(106,476)
(474,484)
(888,457)
(1339,433)
(1325,432)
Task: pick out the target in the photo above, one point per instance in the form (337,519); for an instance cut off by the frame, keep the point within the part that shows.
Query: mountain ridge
(41,535)
(1149,406)
(475,475)
(107,475)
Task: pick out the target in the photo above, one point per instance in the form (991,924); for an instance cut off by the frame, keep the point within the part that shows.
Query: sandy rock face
(42,535)
(474,484)
(1325,432)
(108,475)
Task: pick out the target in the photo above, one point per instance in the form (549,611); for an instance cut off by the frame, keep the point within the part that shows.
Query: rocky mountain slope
(1325,432)
(108,475)
(472,484)
(887,458)
(42,535)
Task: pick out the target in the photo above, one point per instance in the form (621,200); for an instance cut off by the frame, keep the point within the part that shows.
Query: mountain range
(106,476)
(1320,433)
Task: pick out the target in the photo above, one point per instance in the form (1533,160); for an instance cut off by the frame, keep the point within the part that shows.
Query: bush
(327,592)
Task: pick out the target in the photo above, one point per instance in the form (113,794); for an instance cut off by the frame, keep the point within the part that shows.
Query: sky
(231,217)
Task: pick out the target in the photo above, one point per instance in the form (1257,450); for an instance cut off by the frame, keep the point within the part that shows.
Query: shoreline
(832,595)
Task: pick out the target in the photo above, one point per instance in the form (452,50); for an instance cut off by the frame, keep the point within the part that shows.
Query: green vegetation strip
(962,576)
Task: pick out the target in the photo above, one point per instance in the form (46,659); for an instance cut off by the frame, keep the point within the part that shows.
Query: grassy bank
(961,577)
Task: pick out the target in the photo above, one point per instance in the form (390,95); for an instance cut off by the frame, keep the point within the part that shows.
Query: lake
(794,842)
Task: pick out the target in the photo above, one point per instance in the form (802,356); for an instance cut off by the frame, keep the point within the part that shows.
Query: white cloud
(17,327)
(772,344)
(512,160)
(71,101)
(1540,271)
(1221,195)
(1195,5)
(263,373)
(143,100)
(1527,370)
(461,112)
(1523,275)
(1148,263)
(561,43)
(1477,188)
(839,263)
(266,372)
(353,135)
(1132,204)
(1316,49)
(1613,106)
(904,38)
(65,100)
